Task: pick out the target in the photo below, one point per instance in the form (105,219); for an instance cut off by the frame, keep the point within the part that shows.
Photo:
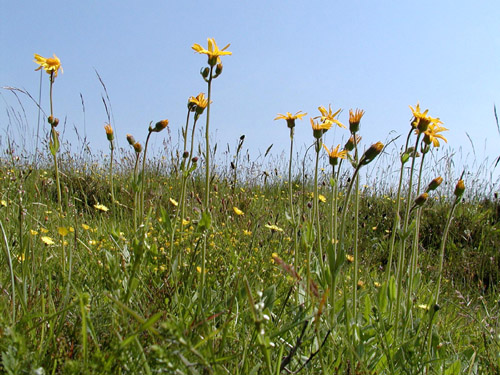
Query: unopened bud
(109,132)
(459,189)
(137,147)
(421,199)
(434,184)
(160,125)
(185,154)
(130,139)
(372,153)
(218,69)
(50,119)
(195,159)
(351,143)
(205,72)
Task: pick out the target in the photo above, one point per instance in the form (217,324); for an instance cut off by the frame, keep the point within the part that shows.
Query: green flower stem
(141,209)
(315,215)
(290,202)
(355,276)
(136,214)
(112,148)
(402,245)
(55,141)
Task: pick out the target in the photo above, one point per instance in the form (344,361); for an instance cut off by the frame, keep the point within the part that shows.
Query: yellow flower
(238,212)
(431,134)
(213,52)
(109,132)
(247,232)
(320,128)
(199,101)
(422,121)
(3,203)
(354,119)
(335,154)
(85,226)
(51,65)
(274,227)
(33,232)
(329,116)
(321,198)
(47,240)
(101,207)
(173,201)
(63,231)
(349,258)
(290,119)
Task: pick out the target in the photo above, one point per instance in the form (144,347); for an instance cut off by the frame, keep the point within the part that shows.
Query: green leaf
(204,223)
(392,289)
(454,369)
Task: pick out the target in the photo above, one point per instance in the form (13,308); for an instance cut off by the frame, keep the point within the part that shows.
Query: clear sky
(381,56)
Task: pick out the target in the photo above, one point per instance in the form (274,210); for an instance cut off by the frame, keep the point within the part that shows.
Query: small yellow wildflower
(349,258)
(334,154)
(213,52)
(327,116)
(47,240)
(238,212)
(173,202)
(185,222)
(85,226)
(63,231)
(274,227)
(290,119)
(43,230)
(101,207)
(51,64)
(33,232)
(321,198)
(320,128)
(424,307)
(354,119)
(3,203)
(247,232)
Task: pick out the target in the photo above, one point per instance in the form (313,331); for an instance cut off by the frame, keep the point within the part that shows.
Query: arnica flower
(459,189)
(101,207)
(131,140)
(238,212)
(137,147)
(198,103)
(290,119)
(352,142)
(213,52)
(47,240)
(334,154)
(320,128)
(420,200)
(109,132)
(420,120)
(50,65)
(431,134)
(371,153)
(433,185)
(354,119)
(327,116)
(160,125)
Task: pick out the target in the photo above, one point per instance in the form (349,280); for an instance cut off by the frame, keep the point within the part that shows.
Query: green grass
(106,300)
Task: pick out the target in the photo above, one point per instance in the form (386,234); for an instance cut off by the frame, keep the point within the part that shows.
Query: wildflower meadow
(371,256)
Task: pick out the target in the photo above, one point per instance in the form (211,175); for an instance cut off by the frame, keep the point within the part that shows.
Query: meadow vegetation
(332,260)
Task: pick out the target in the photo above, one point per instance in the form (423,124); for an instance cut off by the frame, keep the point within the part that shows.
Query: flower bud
(371,153)
(137,147)
(130,139)
(420,200)
(218,69)
(50,119)
(185,154)
(109,132)
(195,159)
(160,125)
(434,184)
(459,189)
(352,142)
(205,72)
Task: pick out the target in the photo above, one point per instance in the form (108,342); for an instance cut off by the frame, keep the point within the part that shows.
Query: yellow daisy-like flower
(334,154)
(321,198)
(50,64)
(290,119)
(47,240)
(101,207)
(63,231)
(320,128)
(200,100)
(3,203)
(85,226)
(238,212)
(33,232)
(213,52)
(274,227)
(173,202)
(431,134)
(247,232)
(329,116)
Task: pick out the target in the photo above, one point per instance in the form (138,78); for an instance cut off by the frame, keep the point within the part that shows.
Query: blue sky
(381,56)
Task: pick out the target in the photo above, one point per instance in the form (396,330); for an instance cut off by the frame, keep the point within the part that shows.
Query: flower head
(159,126)
(51,64)
(431,135)
(335,154)
(109,132)
(320,128)
(198,103)
(213,52)
(290,119)
(47,240)
(371,153)
(354,119)
(238,212)
(353,141)
(327,116)
(101,207)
